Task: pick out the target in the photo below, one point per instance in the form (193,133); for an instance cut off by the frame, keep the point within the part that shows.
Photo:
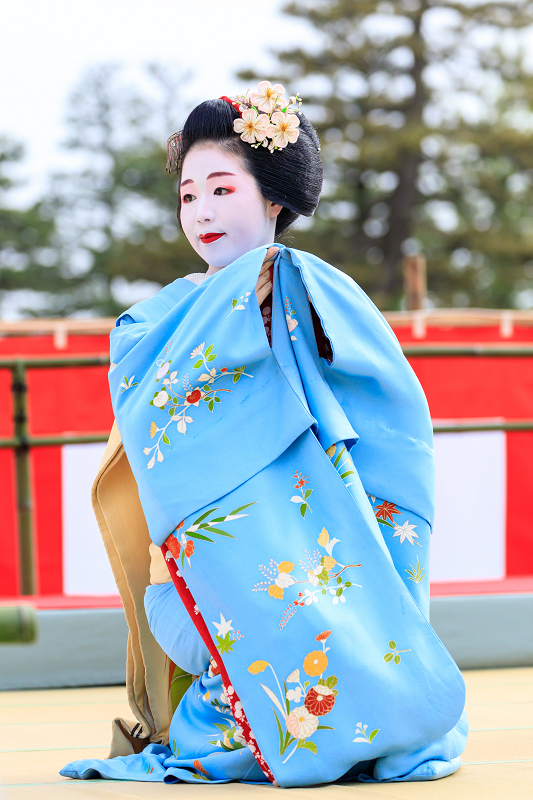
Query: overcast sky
(47,44)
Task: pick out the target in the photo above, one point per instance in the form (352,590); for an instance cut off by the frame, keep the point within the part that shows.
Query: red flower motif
(322,636)
(189,548)
(214,667)
(319,700)
(386,510)
(194,396)
(224,369)
(301,480)
(182,523)
(173,545)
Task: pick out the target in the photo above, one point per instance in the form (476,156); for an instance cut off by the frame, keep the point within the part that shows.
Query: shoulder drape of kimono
(227,438)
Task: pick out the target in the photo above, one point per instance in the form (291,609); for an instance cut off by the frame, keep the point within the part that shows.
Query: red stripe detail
(522,585)
(9,560)
(63,602)
(519,531)
(48,518)
(194,613)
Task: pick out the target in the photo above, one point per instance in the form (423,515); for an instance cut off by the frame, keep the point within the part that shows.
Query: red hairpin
(233,103)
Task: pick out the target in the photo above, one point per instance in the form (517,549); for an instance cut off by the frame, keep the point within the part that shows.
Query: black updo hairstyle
(291,176)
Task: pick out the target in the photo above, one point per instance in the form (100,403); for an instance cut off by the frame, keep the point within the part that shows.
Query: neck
(212,270)
(267,239)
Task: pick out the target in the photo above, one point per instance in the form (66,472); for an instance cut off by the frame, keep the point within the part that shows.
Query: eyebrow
(212,175)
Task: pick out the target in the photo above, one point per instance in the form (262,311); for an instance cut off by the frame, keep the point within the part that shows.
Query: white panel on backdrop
(86,567)
(468,541)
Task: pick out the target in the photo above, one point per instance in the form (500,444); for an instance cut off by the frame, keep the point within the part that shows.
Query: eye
(187,198)
(222,190)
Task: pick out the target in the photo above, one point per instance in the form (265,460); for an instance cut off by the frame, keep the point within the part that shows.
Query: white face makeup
(223,213)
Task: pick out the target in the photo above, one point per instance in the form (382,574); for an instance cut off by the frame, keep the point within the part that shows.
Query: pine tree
(116,215)
(424,110)
(29,256)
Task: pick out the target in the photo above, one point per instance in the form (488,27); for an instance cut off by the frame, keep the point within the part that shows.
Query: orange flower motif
(322,636)
(199,766)
(386,510)
(315,663)
(189,548)
(319,700)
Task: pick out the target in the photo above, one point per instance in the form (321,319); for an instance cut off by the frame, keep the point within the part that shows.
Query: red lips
(207,238)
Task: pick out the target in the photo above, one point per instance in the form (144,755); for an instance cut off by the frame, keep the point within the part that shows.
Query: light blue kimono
(295,498)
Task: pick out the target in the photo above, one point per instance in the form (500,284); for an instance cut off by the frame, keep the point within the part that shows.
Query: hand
(263,286)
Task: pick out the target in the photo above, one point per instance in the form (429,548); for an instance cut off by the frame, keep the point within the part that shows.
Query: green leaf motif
(212,357)
(338,592)
(345,474)
(340,455)
(211,405)
(199,536)
(166,440)
(331,681)
(198,364)
(225,645)
(303,509)
(280,734)
(387,657)
(311,746)
(241,508)
(205,515)
(392,645)
(208,351)
(397,659)
(387,524)
(237,377)
(217,399)
(373,734)
(308,493)
(233,304)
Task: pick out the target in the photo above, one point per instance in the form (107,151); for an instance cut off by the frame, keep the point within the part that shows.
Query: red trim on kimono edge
(235,704)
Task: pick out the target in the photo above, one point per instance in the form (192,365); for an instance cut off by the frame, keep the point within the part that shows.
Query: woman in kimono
(277,448)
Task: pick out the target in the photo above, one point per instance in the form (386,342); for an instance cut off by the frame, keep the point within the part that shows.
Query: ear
(274,209)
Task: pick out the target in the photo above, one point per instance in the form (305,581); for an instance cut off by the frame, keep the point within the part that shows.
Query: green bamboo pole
(18,624)
(22,461)
(53,441)
(459,427)
(56,361)
(470,350)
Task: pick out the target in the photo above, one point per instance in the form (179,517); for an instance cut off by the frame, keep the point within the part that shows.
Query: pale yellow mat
(40,731)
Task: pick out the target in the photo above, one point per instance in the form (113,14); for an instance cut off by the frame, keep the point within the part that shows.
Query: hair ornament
(265,116)
(174,152)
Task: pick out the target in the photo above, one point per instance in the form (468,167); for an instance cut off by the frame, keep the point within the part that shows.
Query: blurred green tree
(424,110)
(29,252)
(116,214)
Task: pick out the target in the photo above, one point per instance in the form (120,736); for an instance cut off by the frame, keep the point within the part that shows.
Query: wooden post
(414,281)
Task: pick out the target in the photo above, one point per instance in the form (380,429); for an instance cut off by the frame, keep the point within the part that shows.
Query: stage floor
(41,730)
